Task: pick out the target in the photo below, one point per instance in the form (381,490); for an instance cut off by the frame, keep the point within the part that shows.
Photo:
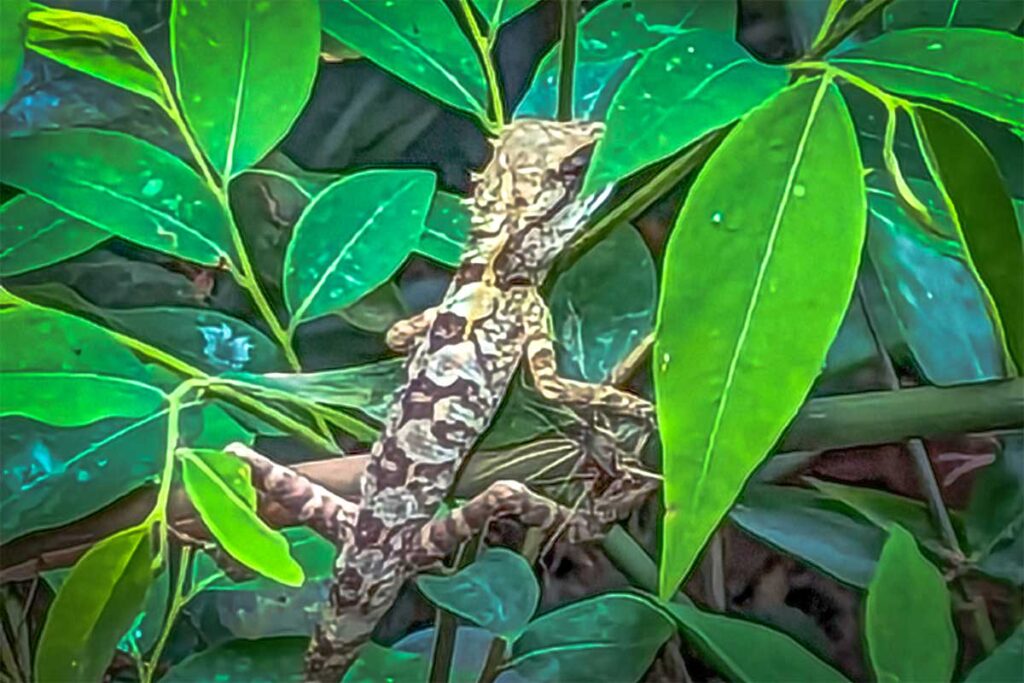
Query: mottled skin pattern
(463,355)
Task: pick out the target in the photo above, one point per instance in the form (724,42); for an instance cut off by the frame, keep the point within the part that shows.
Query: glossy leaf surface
(998,14)
(123,185)
(908,623)
(244,71)
(754,291)
(34,234)
(352,237)
(498,12)
(447,230)
(12,45)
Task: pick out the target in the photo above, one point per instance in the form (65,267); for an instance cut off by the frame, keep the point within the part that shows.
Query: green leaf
(963,66)
(750,652)
(94,608)
(103,48)
(73,399)
(12,45)
(1004,664)
(812,528)
(498,12)
(313,552)
(687,86)
(244,71)
(595,326)
(219,486)
(981,209)
(419,42)
(611,38)
(932,292)
(35,234)
(352,237)
(994,518)
(378,310)
(908,623)
(124,186)
(730,370)
(264,660)
(1001,14)
(377,664)
(497,592)
(447,230)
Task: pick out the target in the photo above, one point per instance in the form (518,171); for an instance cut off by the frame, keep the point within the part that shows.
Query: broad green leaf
(447,230)
(497,592)
(983,213)
(377,663)
(1001,14)
(689,85)
(125,186)
(468,655)
(994,518)
(72,399)
(420,42)
(595,325)
(244,70)
(498,12)
(931,290)
(812,528)
(611,38)
(754,291)
(1004,664)
(352,237)
(749,652)
(35,234)
(219,486)
(12,45)
(312,551)
(103,48)
(608,638)
(265,660)
(378,310)
(909,623)
(94,607)
(963,66)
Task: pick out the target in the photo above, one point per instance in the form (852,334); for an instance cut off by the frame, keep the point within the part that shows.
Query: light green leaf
(749,652)
(12,45)
(687,86)
(103,48)
(497,592)
(73,399)
(1001,14)
(244,71)
(420,42)
(125,186)
(352,237)
(94,607)
(219,486)
(312,551)
(981,209)
(263,660)
(754,291)
(447,230)
(909,624)
(967,67)
(35,234)
(498,12)
(1004,664)
(605,639)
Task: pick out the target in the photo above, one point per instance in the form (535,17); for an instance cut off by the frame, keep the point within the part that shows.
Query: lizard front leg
(405,334)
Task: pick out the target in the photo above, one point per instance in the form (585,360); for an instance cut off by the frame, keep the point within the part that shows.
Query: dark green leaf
(497,592)
(244,71)
(750,652)
(498,12)
(94,608)
(12,45)
(594,324)
(1005,664)
(994,518)
(378,664)
(983,213)
(611,38)
(1003,14)
(812,528)
(352,237)
(609,638)
(447,230)
(125,186)
(743,272)
(909,624)
(378,310)
(687,86)
(103,48)
(266,660)
(34,234)
(419,42)
(963,66)
(219,486)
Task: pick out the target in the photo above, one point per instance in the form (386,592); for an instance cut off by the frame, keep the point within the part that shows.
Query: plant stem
(178,601)
(858,18)
(484,45)
(567,59)
(495,658)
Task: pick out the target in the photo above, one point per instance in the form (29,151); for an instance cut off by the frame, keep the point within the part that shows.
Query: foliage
(878,168)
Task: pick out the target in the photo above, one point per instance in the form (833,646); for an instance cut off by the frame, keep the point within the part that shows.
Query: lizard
(461,358)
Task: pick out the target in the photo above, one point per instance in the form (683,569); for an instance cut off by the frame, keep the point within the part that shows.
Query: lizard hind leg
(407,333)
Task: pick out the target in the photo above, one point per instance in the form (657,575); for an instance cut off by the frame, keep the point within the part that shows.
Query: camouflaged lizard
(463,355)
